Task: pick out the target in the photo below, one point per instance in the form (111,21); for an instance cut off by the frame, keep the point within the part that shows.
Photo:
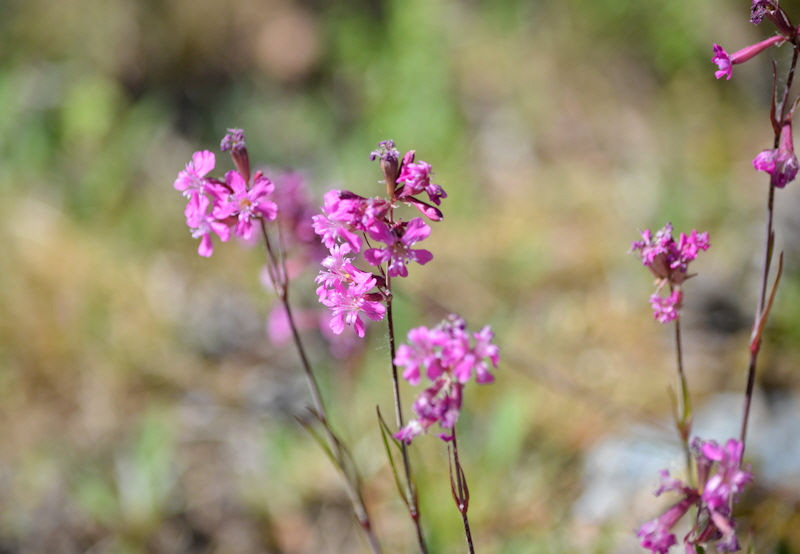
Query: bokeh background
(143,407)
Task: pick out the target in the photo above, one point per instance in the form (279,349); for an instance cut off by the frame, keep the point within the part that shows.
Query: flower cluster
(781,162)
(349,222)
(720,478)
(224,206)
(449,356)
(669,261)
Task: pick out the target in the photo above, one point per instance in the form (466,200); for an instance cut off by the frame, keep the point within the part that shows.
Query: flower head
(416,179)
(202,224)
(398,252)
(448,355)
(669,260)
(720,479)
(761,8)
(781,163)
(726,61)
(349,303)
(247,203)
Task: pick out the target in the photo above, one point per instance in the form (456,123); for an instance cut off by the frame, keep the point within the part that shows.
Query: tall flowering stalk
(243,205)
(781,163)
(720,476)
(370,245)
(714,475)
(351,225)
(668,260)
(449,356)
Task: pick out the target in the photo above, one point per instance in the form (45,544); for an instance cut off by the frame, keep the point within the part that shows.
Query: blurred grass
(144,410)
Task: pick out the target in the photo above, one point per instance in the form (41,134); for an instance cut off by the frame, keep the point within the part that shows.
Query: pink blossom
(191,181)
(347,304)
(416,178)
(420,352)
(720,479)
(669,260)
(448,355)
(339,272)
(202,224)
(781,163)
(726,61)
(398,251)
(666,309)
(334,224)
(656,535)
(247,204)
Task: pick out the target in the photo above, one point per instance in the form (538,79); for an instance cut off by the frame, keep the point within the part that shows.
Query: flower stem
(683,408)
(755,345)
(339,453)
(769,242)
(412,498)
(461,492)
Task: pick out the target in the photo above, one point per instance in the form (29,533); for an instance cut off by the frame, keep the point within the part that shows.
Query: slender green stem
(461,493)
(340,455)
(683,411)
(755,345)
(412,498)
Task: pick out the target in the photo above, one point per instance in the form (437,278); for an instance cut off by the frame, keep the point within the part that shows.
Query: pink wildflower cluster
(720,480)
(349,222)
(781,162)
(224,206)
(669,261)
(449,356)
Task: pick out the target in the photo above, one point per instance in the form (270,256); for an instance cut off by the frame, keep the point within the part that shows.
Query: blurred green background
(143,408)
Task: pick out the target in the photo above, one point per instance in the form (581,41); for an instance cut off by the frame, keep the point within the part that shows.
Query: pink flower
(726,61)
(339,272)
(656,535)
(669,261)
(720,480)
(347,291)
(334,224)
(417,179)
(666,309)
(781,163)
(398,251)
(420,352)
(191,181)
(347,304)
(247,204)
(448,355)
(202,224)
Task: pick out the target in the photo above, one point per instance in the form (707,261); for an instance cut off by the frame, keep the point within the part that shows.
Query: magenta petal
(422,256)
(206,247)
(431,212)
(203,162)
